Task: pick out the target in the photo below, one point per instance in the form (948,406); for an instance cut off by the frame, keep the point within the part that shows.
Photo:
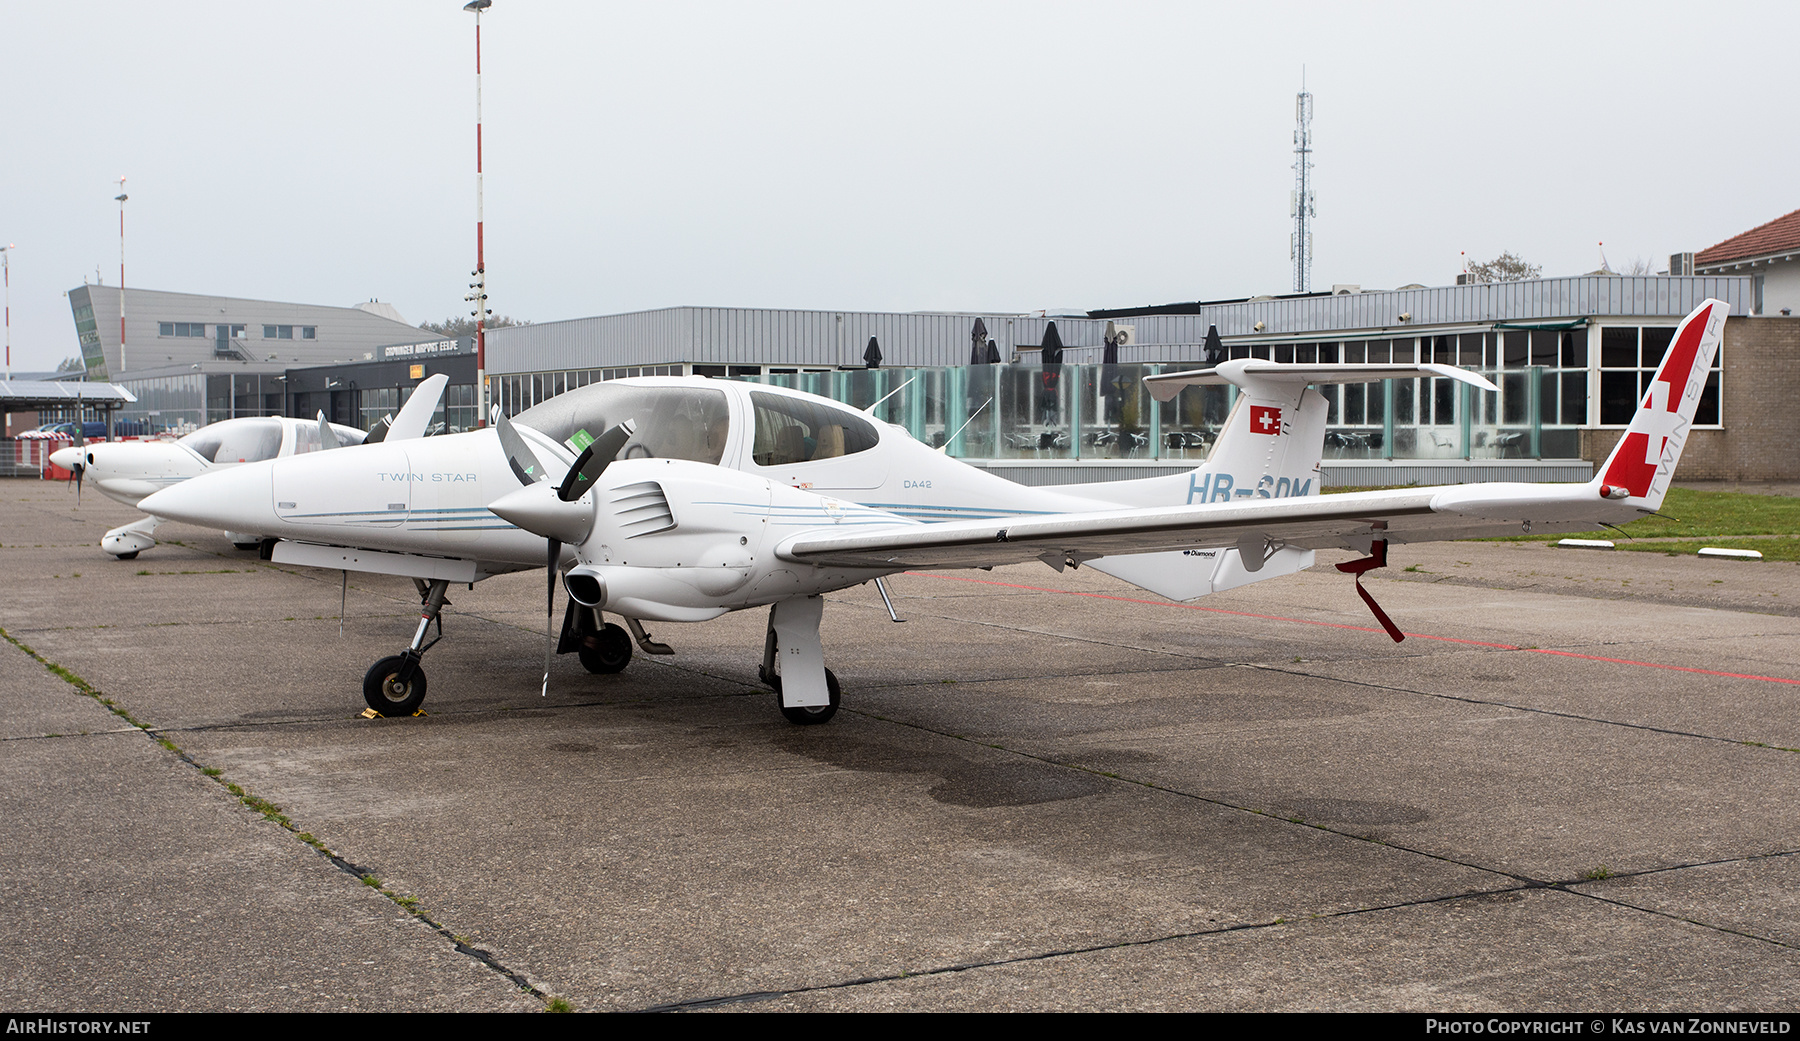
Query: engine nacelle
(659,594)
(680,541)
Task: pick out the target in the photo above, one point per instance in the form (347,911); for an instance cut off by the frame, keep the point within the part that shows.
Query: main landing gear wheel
(387,694)
(610,653)
(808,715)
(126,556)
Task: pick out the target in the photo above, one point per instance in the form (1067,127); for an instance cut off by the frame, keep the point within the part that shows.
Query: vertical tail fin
(1270,446)
(1643,463)
(1274,439)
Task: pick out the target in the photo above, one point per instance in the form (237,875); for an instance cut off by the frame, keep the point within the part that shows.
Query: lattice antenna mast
(1300,248)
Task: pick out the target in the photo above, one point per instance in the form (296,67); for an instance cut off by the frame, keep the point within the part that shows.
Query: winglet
(415,416)
(1643,463)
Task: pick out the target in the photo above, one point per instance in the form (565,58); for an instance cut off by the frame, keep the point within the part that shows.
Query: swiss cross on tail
(1654,440)
(1265,419)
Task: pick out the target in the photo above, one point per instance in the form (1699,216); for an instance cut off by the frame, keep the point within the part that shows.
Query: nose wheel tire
(610,653)
(387,694)
(808,715)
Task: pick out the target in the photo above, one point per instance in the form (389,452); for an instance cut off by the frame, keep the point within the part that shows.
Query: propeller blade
(551,560)
(594,459)
(524,462)
(573,483)
(81,464)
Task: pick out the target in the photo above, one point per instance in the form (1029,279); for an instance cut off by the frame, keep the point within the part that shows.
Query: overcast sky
(908,156)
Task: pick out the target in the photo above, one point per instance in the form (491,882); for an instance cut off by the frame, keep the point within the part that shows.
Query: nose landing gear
(395,686)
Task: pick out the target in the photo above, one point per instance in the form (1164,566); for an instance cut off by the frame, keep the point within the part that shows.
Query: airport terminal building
(1570,356)
(193,359)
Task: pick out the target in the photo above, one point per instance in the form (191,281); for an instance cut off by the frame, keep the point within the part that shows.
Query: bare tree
(465,326)
(1639,266)
(1505,268)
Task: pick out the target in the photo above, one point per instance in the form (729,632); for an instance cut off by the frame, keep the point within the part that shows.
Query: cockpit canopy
(799,430)
(237,440)
(672,422)
(692,421)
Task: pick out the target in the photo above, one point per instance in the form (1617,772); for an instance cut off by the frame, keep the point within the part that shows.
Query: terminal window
(195,329)
(1629,357)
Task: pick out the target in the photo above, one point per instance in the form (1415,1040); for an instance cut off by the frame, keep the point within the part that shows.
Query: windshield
(672,422)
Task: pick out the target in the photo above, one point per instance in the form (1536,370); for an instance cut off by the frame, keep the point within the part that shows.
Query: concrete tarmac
(1571,788)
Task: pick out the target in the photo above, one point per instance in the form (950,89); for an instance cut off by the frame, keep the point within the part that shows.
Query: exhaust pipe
(586,586)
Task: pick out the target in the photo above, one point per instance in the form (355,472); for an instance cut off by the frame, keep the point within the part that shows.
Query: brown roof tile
(1780,235)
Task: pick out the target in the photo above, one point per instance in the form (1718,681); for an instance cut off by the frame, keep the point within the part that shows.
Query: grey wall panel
(785,337)
(343,334)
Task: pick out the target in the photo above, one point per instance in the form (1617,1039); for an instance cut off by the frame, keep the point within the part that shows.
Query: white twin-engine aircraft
(678,499)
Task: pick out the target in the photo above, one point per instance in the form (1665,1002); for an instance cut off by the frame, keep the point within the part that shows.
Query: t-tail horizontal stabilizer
(1271,447)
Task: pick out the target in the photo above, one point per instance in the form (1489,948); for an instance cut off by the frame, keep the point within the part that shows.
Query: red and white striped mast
(121,197)
(6,253)
(478,288)
(6,261)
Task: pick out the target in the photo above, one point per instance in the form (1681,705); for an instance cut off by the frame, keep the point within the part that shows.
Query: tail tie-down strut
(1377,558)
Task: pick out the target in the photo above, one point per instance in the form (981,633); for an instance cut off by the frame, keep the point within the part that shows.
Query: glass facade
(168,404)
(455,412)
(1554,378)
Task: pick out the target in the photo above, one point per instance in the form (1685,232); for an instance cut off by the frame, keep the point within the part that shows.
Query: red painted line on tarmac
(1209,610)
(1356,628)
(1672,668)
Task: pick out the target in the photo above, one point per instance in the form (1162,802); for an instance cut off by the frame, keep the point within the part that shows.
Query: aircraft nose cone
(537,509)
(237,499)
(67,458)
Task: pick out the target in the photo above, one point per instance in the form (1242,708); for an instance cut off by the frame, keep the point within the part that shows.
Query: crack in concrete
(1521,883)
(272,813)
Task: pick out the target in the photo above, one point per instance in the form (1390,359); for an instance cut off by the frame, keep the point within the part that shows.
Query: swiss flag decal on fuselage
(1265,419)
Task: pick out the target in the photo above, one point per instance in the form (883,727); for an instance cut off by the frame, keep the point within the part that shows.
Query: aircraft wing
(1350,521)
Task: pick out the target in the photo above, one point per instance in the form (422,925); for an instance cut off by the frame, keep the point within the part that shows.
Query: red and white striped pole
(6,261)
(479,286)
(6,253)
(121,197)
